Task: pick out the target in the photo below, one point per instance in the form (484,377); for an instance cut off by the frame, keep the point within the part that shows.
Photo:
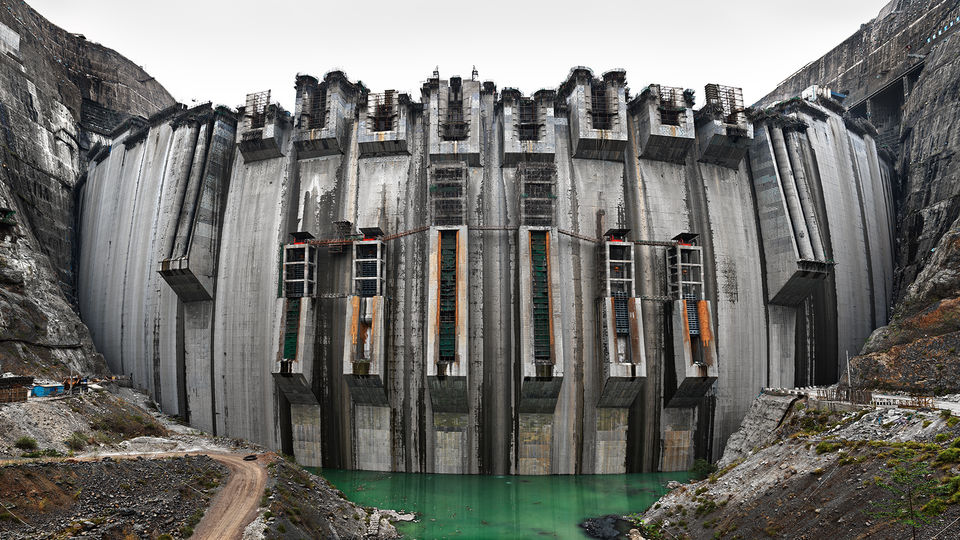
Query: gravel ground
(107,498)
(121,496)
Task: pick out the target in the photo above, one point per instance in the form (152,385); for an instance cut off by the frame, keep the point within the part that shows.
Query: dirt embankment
(107,498)
(821,474)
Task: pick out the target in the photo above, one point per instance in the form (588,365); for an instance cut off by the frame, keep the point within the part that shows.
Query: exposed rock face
(931,306)
(919,351)
(57,93)
(40,333)
(930,173)
(816,476)
(764,417)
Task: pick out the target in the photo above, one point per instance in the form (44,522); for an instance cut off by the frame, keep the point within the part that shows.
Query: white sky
(219,51)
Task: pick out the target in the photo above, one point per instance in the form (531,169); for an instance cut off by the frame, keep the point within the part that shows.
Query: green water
(478,507)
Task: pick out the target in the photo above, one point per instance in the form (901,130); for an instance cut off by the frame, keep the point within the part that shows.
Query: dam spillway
(577,281)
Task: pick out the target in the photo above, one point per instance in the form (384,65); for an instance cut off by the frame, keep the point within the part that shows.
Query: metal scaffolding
(729,100)
(537,196)
(257,108)
(672,105)
(601,110)
(684,263)
(446,194)
(528,120)
(454,126)
(382,110)
(318,108)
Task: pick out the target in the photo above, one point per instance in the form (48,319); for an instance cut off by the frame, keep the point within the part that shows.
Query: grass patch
(76,442)
(950,455)
(127,425)
(825,447)
(26,444)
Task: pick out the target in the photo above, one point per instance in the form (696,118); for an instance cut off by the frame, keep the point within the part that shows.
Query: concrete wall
(489,413)
(156,194)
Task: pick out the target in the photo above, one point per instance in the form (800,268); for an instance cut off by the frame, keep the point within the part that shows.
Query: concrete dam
(581,280)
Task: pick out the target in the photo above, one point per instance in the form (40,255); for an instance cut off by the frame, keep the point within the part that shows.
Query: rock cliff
(59,94)
(919,351)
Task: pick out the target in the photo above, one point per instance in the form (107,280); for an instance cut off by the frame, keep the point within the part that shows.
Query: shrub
(76,442)
(826,447)
(944,414)
(934,507)
(909,492)
(26,444)
(941,437)
(951,489)
(702,469)
(952,421)
(195,518)
(126,425)
(950,455)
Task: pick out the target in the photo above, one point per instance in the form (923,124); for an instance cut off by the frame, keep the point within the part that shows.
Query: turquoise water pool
(480,507)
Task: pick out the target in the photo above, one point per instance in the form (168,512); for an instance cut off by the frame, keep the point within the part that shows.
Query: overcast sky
(218,51)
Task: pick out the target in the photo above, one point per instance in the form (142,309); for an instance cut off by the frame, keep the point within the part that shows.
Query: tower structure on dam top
(573,280)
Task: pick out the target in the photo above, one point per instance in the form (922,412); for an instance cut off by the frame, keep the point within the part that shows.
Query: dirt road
(235,506)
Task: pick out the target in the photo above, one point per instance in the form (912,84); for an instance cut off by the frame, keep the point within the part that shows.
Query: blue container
(44,390)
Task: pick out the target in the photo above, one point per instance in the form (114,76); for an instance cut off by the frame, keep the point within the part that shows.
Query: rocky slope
(58,94)
(919,351)
(818,473)
(298,504)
